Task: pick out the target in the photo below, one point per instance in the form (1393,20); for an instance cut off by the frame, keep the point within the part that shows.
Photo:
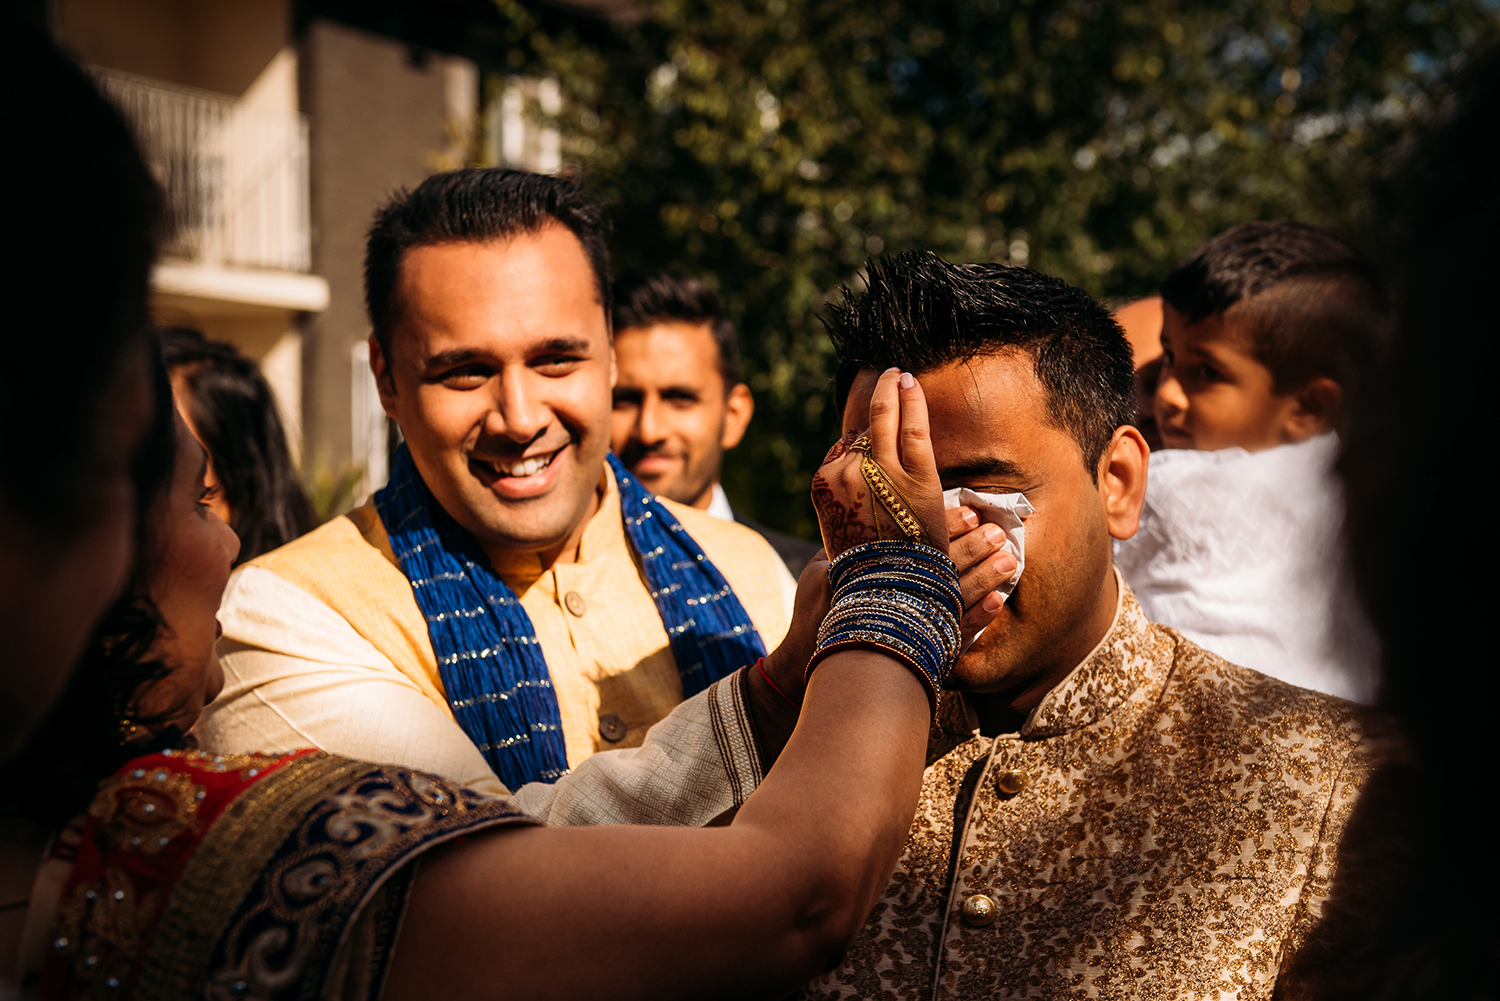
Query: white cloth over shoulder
(1243,554)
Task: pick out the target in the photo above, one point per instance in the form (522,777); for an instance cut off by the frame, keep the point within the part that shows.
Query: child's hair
(1310,303)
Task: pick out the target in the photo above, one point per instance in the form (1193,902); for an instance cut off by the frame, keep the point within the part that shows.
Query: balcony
(236,180)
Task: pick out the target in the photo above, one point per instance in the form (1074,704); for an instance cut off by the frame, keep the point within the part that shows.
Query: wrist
(772,716)
(785,677)
(901,599)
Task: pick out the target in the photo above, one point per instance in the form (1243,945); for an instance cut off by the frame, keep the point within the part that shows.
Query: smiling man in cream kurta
(493,354)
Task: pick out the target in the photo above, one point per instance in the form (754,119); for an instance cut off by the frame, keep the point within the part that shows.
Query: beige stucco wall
(220,45)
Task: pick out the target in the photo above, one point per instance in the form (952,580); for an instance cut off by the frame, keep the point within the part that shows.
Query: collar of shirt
(719,505)
(1130,663)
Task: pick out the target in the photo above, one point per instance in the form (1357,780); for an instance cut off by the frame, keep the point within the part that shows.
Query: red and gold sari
(247,876)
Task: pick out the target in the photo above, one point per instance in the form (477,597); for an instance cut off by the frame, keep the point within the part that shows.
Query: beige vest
(606,648)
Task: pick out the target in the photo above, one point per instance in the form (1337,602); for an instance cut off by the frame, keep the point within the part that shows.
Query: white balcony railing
(236,178)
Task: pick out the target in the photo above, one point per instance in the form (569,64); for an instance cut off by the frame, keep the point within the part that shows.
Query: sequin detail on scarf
(491,663)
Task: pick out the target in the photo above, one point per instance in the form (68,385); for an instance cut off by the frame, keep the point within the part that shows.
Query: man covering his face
(1110,811)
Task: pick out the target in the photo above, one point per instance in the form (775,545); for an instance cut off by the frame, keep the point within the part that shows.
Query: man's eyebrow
(445,358)
(979,468)
(565,344)
(558,345)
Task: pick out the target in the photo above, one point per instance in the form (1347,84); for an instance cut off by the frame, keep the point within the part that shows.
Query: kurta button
(979,910)
(611,728)
(1011,782)
(575,603)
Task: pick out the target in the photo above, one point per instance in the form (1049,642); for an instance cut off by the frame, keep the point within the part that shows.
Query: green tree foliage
(771,146)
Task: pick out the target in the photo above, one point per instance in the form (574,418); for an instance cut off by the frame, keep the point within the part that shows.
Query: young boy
(1266,330)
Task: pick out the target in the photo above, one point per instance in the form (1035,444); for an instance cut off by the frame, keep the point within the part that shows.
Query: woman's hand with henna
(902,494)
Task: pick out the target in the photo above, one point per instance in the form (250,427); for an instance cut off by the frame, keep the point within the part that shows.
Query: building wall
(243,49)
(219,45)
(377,118)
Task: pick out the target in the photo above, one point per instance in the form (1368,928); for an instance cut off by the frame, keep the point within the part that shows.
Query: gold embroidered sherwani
(1165,825)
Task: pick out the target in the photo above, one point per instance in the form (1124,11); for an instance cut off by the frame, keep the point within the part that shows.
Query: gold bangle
(863,444)
(882,489)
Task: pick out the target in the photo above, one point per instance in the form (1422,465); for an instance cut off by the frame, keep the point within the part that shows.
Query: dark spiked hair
(646,297)
(475,206)
(1307,302)
(919,312)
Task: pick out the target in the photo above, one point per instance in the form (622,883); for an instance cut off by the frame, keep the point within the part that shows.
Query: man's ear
(739,407)
(1317,407)
(384,381)
(1122,480)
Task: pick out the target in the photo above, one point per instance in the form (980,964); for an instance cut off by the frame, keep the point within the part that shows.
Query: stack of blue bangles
(900,598)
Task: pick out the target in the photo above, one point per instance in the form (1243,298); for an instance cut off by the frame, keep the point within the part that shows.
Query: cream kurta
(324,645)
(1165,826)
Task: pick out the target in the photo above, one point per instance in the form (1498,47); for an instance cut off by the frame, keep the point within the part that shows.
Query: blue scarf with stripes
(493,671)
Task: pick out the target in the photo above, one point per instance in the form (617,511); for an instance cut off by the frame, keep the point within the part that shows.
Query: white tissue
(1009,511)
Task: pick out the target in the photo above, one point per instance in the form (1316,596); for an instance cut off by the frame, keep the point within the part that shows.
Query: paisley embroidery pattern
(1166,825)
(241,876)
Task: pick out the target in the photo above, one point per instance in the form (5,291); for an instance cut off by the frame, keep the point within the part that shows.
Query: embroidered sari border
(275,890)
(234,852)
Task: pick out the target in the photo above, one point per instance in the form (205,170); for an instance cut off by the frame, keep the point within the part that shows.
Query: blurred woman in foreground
(74,392)
(289,876)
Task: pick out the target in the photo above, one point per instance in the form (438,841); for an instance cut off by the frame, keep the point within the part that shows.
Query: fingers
(885,420)
(899,426)
(841,446)
(981,604)
(971,548)
(980,581)
(916,435)
(975,619)
(960,520)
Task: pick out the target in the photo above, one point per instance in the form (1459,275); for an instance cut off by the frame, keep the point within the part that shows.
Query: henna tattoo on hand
(844,526)
(841,447)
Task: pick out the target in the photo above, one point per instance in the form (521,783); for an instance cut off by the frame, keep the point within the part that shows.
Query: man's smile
(523,477)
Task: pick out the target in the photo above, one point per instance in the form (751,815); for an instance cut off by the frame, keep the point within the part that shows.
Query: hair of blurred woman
(74,389)
(88,733)
(1411,451)
(227,403)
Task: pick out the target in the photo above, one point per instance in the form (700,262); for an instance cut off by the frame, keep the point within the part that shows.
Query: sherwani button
(612,728)
(575,603)
(1011,782)
(979,910)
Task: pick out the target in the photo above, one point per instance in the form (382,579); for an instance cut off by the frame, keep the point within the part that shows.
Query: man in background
(680,404)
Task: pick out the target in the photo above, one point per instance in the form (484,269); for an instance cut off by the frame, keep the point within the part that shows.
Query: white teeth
(526,467)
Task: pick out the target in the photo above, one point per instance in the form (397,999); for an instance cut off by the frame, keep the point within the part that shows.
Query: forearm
(750,910)
(848,779)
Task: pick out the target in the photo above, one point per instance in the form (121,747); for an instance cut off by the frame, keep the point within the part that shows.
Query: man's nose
(521,412)
(649,426)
